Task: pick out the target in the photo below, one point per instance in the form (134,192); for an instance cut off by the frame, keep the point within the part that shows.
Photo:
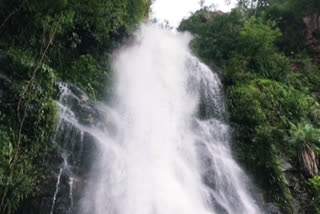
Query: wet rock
(211,103)
(76,150)
(271,208)
(79,93)
(79,103)
(286,165)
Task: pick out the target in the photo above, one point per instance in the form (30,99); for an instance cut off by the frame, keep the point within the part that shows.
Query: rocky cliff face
(71,162)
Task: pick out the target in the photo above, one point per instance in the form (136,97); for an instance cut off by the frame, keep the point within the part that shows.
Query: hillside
(269,56)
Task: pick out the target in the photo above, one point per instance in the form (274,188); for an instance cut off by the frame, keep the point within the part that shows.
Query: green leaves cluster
(89,71)
(267,102)
(21,166)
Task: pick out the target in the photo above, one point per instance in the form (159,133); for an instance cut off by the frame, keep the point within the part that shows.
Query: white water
(160,158)
(56,191)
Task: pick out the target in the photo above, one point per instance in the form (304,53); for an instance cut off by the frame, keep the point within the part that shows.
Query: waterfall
(161,145)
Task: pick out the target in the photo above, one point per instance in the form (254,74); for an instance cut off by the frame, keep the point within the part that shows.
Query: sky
(175,10)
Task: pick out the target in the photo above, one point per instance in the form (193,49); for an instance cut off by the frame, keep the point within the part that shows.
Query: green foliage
(138,9)
(217,35)
(48,41)
(263,101)
(290,24)
(257,35)
(95,17)
(305,6)
(22,167)
(272,87)
(89,74)
(80,28)
(230,39)
(257,44)
(265,110)
(314,184)
(18,181)
(305,133)
(308,78)
(289,16)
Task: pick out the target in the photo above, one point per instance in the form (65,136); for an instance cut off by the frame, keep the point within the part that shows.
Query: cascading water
(160,158)
(160,147)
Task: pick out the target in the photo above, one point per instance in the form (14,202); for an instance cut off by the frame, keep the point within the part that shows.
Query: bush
(263,101)
(314,184)
(216,35)
(89,75)
(305,134)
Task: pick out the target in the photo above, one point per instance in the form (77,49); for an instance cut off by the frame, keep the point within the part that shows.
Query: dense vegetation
(42,42)
(267,50)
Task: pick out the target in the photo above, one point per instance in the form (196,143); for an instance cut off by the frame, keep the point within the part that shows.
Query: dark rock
(79,103)
(79,93)
(3,55)
(286,165)
(271,208)
(76,149)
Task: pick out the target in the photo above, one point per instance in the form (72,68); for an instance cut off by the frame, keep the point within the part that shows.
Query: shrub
(314,184)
